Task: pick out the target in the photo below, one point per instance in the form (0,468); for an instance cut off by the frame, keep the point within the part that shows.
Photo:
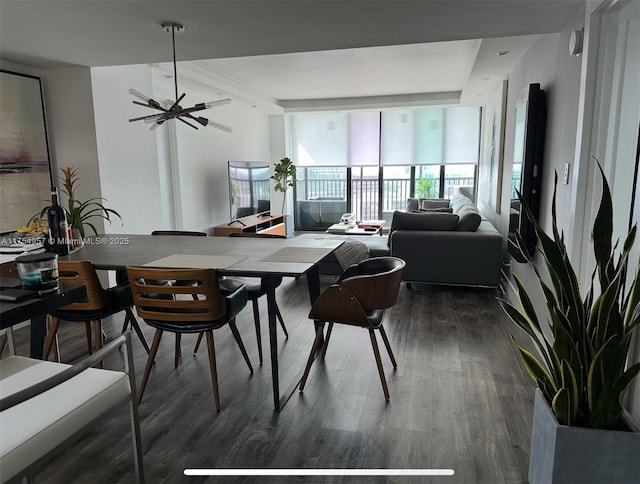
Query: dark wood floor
(459,399)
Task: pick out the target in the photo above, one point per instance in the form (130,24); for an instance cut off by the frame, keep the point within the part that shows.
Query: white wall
(127,152)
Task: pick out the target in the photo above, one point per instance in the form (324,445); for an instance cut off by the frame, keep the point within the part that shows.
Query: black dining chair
(172,307)
(358,298)
(255,290)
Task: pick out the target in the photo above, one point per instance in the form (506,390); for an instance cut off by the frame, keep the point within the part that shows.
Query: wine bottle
(58,227)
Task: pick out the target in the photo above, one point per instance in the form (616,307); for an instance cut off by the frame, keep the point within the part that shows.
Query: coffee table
(341,228)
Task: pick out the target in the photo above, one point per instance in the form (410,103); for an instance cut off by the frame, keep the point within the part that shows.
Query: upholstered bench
(44,403)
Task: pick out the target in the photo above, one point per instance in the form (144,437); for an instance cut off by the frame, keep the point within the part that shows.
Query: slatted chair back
(84,272)
(158,301)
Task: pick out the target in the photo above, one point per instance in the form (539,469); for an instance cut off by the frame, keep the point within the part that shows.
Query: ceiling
(294,52)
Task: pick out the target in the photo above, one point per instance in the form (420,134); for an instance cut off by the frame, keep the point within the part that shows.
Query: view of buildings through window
(369,163)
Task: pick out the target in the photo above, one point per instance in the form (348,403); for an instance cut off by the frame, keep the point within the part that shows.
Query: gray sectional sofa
(442,242)
(447,242)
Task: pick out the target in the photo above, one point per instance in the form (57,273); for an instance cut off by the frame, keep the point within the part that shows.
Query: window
(370,162)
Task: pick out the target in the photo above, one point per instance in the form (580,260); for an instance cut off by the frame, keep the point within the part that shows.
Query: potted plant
(580,431)
(284,174)
(80,213)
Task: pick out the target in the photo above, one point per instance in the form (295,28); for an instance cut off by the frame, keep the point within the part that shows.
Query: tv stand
(270,224)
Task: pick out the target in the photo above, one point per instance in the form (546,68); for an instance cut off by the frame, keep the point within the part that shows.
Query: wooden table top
(246,256)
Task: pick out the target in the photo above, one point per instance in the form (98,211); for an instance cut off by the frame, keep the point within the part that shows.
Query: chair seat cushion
(120,298)
(35,427)
(254,286)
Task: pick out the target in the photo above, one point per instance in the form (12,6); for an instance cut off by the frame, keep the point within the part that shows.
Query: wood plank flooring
(459,399)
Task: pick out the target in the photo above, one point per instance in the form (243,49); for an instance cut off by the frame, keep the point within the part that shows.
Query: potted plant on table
(80,214)
(581,432)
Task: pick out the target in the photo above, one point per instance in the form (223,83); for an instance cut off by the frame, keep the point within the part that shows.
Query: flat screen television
(529,134)
(249,188)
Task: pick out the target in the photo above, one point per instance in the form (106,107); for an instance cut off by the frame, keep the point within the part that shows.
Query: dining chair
(255,290)
(189,233)
(358,298)
(216,306)
(44,403)
(99,304)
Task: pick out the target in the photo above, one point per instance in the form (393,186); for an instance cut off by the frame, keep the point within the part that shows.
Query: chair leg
(256,321)
(150,359)
(326,340)
(213,368)
(3,342)
(136,327)
(376,352)
(386,343)
(51,337)
(97,329)
(87,328)
(177,350)
(284,328)
(195,348)
(236,335)
(314,349)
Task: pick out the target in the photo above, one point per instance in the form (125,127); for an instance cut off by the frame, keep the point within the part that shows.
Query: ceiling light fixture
(175,111)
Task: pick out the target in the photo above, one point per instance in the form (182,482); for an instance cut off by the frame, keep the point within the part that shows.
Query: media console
(268,224)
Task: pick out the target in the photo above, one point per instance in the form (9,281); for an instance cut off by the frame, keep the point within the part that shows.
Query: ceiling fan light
(223,127)
(219,102)
(173,109)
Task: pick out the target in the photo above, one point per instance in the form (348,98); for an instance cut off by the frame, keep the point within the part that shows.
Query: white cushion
(33,428)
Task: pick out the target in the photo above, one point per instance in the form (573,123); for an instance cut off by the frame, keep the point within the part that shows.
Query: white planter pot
(563,454)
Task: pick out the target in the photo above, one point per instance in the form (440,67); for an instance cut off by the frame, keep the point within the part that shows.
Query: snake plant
(582,366)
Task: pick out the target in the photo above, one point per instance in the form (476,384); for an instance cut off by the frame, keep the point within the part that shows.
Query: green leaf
(561,406)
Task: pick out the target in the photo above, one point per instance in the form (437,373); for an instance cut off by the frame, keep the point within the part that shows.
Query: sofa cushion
(423,221)
(434,204)
(459,201)
(441,210)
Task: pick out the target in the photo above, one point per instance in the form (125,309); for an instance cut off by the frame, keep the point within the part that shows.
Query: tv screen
(248,188)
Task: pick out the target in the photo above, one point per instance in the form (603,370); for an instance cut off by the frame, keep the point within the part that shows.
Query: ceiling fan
(175,111)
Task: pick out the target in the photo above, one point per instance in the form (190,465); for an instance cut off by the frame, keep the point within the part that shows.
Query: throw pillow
(434,203)
(423,221)
(441,210)
(413,204)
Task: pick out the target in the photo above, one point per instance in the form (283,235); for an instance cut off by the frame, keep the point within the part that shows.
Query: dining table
(267,258)
(36,309)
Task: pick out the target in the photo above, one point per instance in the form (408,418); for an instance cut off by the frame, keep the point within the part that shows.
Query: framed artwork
(25,168)
(493,120)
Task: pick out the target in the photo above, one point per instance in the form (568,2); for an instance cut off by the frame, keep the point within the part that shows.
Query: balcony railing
(364,194)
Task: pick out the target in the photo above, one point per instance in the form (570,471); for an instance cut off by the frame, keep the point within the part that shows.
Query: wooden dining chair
(171,307)
(358,298)
(255,290)
(99,304)
(188,233)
